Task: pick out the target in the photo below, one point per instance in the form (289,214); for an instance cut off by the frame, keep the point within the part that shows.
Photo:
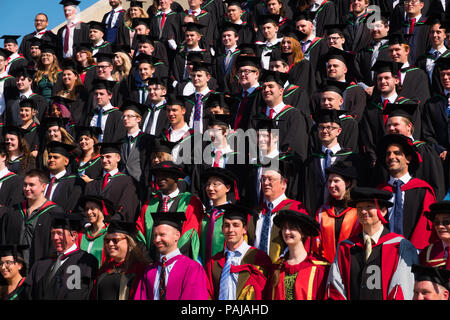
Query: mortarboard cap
(400,110)
(144,38)
(436,208)
(121,48)
(214,100)
(23,72)
(218,119)
(35,42)
(229,26)
(344,169)
(436,275)
(283,166)
(233,3)
(443,63)
(10,38)
(134,3)
(84,46)
(28,103)
(87,131)
(106,205)
(243,61)
(162,145)
(397,38)
(14,250)
(226,175)
(125,227)
(266,124)
(307,223)
(192,26)
(98,84)
(5,53)
(247,49)
(14,130)
(69,2)
(268,18)
(274,76)
(437,18)
(365,194)
(168,167)
(162,81)
(334,28)
(382,66)
(173,99)
(344,56)
(141,21)
(173,219)
(335,86)
(137,107)
(61,100)
(54,121)
(201,66)
(67,221)
(328,115)
(238,210)
(304,15)
(47,47)
(60,148)
(104,57)
(70,65)
(277,55)
(145,58)
(109,147)
(97,26)
(291,32)
(195,56)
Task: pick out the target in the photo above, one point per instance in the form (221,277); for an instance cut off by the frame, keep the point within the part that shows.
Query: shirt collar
(251,89)
(376,236)
(242,249)
(173,194)
(333,149)
(112,172)
(107,107)
(27,94)
(204,92)
(58,175)
(169,256)
(134,135)
(405,65)
(279,107)
(4,172)
(72,248)
(405,179)
(277,201)
(391,99)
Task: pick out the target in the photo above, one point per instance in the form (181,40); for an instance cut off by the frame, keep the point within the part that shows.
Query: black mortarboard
(104,57)
(268,18)
(291,32)
(70,65)
(247,49)
(173,99)
(195,56)
(134,3)
(161,145)
(5,53)
(141,21)
(54,121)
(201,66)
(109,147)
(97,26)
(125,227)
(103,84)
(334,28)
(400,110)
(192,26)
(307,223)
(173,219)
(67,221)
(35,42)
(14,130)
(88,131)
(283,166)
(28,103)
(443,63)
(437,18)
(304,15)
(278,77)
(365,194)
(143,38)
(328,115)
(229,26)
(106,205)
(217,99)
(277,55)
(69,2)
(344,169)
(23,72)
(145,58)
(408,148)
(344,56)
(47,47)
(438,207)
(266,124)
(335,86)
(397,38)
(84,46)
(121,48)
(14,250)
(10,38)
(238,211)
(226,175)
(218,119)
(439,276)
(61,100)
(233,3)
(162,81)
(168,167)
(130,104)
(60,148)
(382,66)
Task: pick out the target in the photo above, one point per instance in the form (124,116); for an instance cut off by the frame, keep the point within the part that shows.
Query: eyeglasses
(413,2)
(114,240)
(444,222)
(103,67)
(126,116)
(7,263)
(214,184)
(269,179)
(333,38)
(328,128)
(246,72)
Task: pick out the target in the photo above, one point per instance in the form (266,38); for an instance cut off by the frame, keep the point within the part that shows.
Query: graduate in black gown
(69,273)
(13,271)
(11,183)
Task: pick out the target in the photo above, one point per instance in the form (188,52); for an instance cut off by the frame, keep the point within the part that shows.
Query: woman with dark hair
(336,218)
(125,262)
(13,270)
(89,166)
(297,275)
(86,64)
(20,159)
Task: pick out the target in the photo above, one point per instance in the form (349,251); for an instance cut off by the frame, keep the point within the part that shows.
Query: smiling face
(69,78)
(26,114)
(386,83)
(234,231)
(165,238)
(86,143)
(175,114)
(272,93)
(12,142)
(54,134)
(9,267)
(367,213)
(56,162)
(441,223)
(110,161)
(116,245)
(166,182)
(291,233)
(216,189)
(336,69)
(62,239)
(396,161)
(337,186)
(398,53)
(273,184)
(93,212)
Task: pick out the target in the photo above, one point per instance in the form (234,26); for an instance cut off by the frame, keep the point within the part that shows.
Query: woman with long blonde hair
(121,65)
(47,73)
(126,32)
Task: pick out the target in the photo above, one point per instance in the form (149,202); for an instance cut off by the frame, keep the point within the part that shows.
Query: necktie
(49,188)
(162,280)
(148,128)
(105,180)
(305,45)
(197,112)
(163,19)
(110,19)
(165,205)
(368,243)
(143,91)
(225,277)
(130,138)
(385,116)
(227,59)
(271,113)
(328,155)
(99,118)
(376,48)
(412,22)
(210,233)
(265,232)
(56,266)
(66,39)
(217,159)
(241,110)
(397,216)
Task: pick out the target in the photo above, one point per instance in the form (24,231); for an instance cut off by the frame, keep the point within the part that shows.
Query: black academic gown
(111,30)
(67,192)
(363,63)
(114,129)
(209,31)
(303,74)
(189,104)
(415,85)
(20,227)
(93,168)
(435,82)
(298,97)
(11,189)
(25,45)
(121,190)
(357,34)
(32,137)
(313,53)
(40,285)
(325,14)
(11,114)
(80,35)
(179,63)
(250,108)
(16,64)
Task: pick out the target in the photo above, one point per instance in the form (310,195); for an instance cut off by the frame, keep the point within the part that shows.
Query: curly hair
(52,72)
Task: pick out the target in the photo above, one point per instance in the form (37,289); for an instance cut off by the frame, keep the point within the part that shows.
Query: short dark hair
(43,178)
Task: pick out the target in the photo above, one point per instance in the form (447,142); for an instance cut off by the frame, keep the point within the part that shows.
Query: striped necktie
(265,232)
(225,277)
(162,280)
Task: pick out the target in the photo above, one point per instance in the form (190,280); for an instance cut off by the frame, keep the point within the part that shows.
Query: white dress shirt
(58,176)
(93,122)
(239,253)
(169,267)
(405,179)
